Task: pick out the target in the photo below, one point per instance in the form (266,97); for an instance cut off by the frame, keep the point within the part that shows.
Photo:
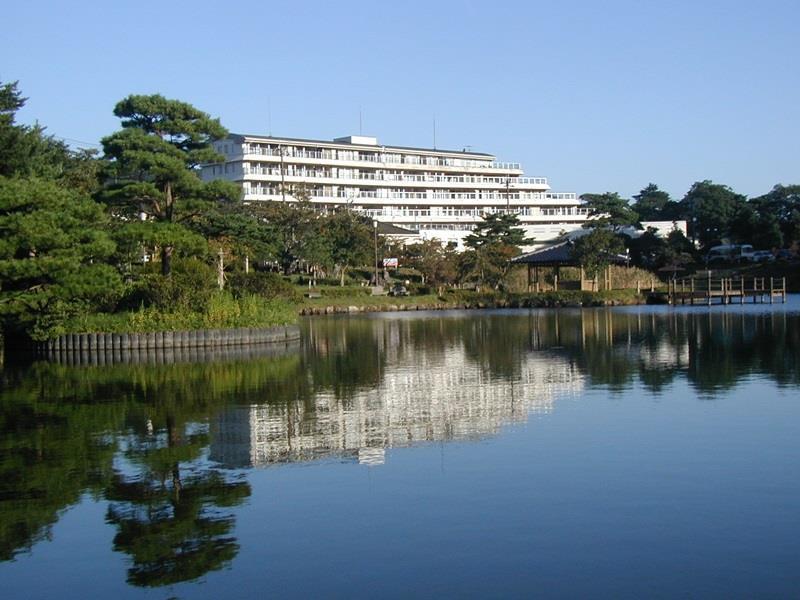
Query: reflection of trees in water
(730,347)
(174,532)
(713,350)
(343,355)
(49,454)
(57,441)
(169,522)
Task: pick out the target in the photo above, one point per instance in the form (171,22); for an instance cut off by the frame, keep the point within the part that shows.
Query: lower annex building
(434,194)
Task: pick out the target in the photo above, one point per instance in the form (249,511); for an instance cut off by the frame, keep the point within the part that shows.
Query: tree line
(134,227)
(714,213)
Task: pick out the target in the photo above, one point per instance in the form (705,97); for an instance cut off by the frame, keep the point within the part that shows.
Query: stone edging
(167,340)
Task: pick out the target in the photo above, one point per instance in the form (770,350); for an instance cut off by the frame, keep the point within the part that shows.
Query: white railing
(288,151)
(403,177)
(428,196)
(455,213)
(503,165)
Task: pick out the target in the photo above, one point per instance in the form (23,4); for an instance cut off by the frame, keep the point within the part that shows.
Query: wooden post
(691,301)
(555,278)
(784,289)
(771,288)
(246,263)
(709,288)
(536,277)
(529,277)
(220,270)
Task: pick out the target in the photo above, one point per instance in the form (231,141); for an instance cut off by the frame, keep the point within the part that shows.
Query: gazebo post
(529,277)
(536,276)
(582,278)
(555,278)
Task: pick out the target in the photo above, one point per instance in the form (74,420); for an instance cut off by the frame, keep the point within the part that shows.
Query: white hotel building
(435,194)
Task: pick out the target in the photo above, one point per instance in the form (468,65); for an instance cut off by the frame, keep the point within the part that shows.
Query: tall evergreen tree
(53,248)
(609,210)
(711,209)
(153,169)
(781,204)
(491,246)
(350,240)
(26,151)
(650,203)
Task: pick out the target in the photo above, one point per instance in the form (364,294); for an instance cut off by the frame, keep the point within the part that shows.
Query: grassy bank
(454,299)
(223,312)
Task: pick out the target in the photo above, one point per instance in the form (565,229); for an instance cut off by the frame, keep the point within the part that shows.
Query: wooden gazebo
(561,255)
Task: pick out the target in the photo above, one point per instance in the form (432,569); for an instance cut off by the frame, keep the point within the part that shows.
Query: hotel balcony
(447,215)
(428,197)
(326,177)
(377,160)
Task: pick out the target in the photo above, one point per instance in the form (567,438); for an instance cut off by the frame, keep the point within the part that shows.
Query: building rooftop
(367,145)
(561,254)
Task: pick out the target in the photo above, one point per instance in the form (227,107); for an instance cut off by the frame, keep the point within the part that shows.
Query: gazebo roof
(390,229)
(558,255)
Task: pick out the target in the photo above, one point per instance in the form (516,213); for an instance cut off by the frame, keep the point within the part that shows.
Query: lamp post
(283,180)
(375,229)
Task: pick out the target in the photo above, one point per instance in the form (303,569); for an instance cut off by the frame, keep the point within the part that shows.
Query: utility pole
(283,180)
(221,270)
(375,228)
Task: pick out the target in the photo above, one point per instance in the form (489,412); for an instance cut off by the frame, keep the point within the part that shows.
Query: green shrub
(223,312)
(343,292)
(188,288)
(417,289)
(264,284)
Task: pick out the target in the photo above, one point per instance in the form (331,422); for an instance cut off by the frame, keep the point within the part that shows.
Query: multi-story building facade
(432,193)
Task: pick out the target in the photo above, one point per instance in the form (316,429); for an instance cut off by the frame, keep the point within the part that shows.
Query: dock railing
(705,290)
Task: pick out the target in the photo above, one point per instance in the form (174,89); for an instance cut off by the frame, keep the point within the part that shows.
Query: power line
(74,141)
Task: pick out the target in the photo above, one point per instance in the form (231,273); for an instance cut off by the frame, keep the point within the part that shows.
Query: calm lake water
(636,452)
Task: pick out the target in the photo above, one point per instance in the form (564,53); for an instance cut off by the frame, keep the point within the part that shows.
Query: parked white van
(731,253)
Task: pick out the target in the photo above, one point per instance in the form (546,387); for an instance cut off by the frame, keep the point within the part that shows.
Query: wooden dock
(725,290)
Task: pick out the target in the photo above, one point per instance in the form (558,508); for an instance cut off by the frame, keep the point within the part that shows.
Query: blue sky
(597,96)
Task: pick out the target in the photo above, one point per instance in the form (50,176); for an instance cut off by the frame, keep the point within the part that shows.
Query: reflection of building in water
(664,355)
(449,399)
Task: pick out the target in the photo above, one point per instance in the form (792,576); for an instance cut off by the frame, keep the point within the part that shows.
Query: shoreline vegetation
(266,299)
(254,312)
